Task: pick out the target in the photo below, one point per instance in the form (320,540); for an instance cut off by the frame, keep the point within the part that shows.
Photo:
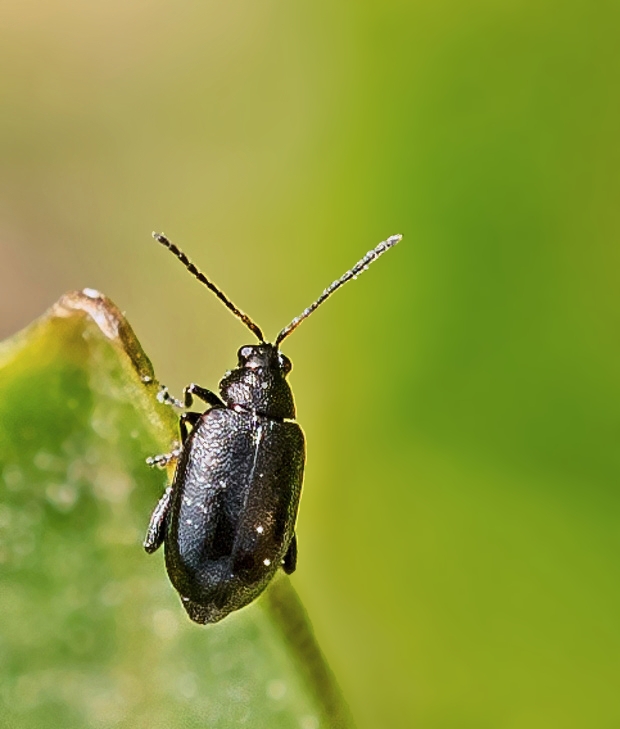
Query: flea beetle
(228,520)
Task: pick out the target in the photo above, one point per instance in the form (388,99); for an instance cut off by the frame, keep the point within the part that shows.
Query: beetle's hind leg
(289,563)
(157,526)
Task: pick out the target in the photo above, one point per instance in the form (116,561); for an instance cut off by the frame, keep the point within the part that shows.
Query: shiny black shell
(228,522)
(234,503)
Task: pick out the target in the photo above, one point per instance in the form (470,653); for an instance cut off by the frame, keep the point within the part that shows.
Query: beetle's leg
(163,459)
(289,563)
(157,526)
(192,419)
(166,398)
(202,394)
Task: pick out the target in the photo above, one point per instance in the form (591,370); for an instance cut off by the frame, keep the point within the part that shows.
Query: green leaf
(93,634)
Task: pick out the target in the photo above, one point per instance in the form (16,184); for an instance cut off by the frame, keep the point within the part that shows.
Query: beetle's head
(264,356)
(258,383)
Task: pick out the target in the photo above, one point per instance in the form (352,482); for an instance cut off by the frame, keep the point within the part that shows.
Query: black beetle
(228,520)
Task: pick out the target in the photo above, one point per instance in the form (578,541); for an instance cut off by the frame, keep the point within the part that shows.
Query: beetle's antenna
(359,267)
(254,328)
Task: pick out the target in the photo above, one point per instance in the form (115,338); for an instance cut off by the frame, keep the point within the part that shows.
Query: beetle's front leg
(203,394)
(157,526)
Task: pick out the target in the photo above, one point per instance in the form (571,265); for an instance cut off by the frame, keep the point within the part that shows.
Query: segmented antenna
(254,328)
(359,267)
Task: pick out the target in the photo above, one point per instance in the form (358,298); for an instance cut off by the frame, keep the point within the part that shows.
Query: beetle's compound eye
(244,354)
(251,357)
(285,363)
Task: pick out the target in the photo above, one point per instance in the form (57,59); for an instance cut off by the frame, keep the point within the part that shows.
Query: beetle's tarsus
(163,459)
(166,398)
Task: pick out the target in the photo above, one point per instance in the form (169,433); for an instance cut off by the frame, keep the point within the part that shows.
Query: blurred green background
(459,529)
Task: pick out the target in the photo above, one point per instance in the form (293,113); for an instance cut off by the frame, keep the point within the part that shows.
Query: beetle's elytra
(228,520)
